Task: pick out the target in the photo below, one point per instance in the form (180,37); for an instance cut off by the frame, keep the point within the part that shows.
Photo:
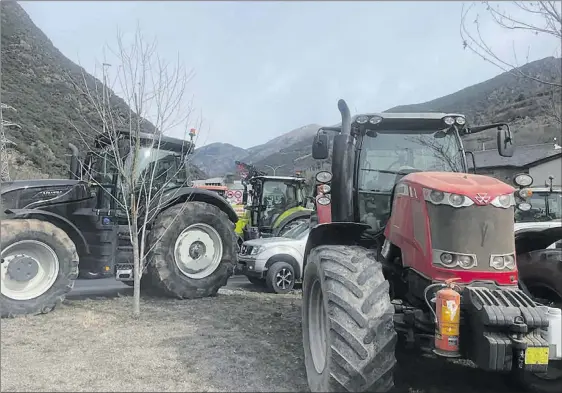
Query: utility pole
(274,169)
(4,169)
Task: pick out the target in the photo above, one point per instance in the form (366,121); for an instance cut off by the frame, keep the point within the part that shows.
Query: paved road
(109,287)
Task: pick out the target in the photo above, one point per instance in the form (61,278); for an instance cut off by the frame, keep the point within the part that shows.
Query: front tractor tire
(192,251)
(39,266)
(347,322)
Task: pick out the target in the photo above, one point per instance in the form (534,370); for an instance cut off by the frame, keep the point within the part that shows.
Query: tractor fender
(63,223)
(334,233)
(536,238)
(189,194)
(287,219)
(285,258)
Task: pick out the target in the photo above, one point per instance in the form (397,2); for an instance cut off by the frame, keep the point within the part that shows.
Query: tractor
(417,253)
(538,238)
(274,204)
(52,229)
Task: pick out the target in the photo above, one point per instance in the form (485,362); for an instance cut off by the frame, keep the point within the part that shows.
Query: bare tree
(540,18)
(142,168)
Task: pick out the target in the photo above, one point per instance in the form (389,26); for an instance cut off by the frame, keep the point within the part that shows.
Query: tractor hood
(269,241)
(481,189)
(39,183)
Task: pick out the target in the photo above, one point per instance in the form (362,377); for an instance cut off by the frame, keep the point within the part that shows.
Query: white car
(276,262)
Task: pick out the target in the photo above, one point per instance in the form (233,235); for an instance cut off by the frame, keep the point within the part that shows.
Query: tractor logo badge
(482,198)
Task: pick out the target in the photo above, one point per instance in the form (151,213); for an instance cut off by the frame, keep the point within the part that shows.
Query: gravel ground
(238,341)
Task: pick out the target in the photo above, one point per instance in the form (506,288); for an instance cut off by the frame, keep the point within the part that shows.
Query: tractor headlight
(324,200)
(454,260)
(524,206)
(375,120)
(502,262)
(461,121)
(446,198)
(505,201)
(362,119)
(523,180)
(525,193)
(323,177)
(449,120)
(456,200)
(436,196)
(324,188)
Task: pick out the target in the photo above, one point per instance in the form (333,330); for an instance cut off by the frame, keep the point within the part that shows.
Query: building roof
(524,156)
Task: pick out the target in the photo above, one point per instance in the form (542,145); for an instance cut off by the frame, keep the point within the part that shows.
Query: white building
(539,161)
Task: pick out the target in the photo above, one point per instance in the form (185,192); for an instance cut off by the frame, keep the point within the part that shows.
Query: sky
(262,69)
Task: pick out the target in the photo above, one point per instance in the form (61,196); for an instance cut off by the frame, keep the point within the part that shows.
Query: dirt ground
(238,341)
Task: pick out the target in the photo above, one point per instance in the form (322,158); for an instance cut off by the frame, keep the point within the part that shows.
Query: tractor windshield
(386,156)
(277,197)
(163,168)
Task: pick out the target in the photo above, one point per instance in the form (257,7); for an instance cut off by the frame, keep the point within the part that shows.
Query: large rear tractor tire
(193,251)
(347,322)
(39,266)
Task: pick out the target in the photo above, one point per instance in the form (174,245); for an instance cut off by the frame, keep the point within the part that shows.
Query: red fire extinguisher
(447,327)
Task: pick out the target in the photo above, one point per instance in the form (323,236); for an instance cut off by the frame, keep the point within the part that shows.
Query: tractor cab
(273,199)
(160,166)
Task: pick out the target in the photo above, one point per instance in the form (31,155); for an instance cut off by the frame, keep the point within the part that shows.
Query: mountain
(44,87)
(217,159)
(528,106)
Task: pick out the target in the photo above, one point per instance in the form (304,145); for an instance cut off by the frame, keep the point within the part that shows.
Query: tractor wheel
(541,272)
(39,266)
(192,250)
(347,322)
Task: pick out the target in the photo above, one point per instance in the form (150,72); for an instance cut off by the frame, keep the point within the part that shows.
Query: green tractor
(274,204)
(54,229)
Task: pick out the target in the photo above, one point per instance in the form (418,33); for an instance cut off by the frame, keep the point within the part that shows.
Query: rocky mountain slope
(45,87)
(526,105)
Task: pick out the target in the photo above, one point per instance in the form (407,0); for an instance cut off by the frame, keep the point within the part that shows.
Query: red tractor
(419,252)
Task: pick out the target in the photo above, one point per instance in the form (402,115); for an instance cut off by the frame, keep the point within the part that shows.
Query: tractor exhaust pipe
(345,117)
(74,165)
(343,164)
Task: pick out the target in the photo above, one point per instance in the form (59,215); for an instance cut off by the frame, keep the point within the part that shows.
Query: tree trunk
(137,271)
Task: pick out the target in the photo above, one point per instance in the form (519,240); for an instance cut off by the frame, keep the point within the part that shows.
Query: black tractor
(274,204)
(54,229)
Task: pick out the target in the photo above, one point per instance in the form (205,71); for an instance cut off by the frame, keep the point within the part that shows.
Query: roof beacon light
(461,121)
(449,120)
(362,119)
(375,120)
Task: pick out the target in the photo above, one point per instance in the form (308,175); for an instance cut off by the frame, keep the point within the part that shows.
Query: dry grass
(238,341)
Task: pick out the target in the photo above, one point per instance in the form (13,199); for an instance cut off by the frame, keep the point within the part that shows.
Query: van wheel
(280,277)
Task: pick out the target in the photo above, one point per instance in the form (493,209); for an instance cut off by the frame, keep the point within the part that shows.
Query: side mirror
(505,142)
(320,147)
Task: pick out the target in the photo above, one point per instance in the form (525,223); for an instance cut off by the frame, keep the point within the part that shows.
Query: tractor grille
(479,230)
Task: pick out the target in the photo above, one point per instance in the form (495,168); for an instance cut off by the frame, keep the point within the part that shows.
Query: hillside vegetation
(46,89)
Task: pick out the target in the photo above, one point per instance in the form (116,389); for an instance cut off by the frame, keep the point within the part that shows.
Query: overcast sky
(265,68)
